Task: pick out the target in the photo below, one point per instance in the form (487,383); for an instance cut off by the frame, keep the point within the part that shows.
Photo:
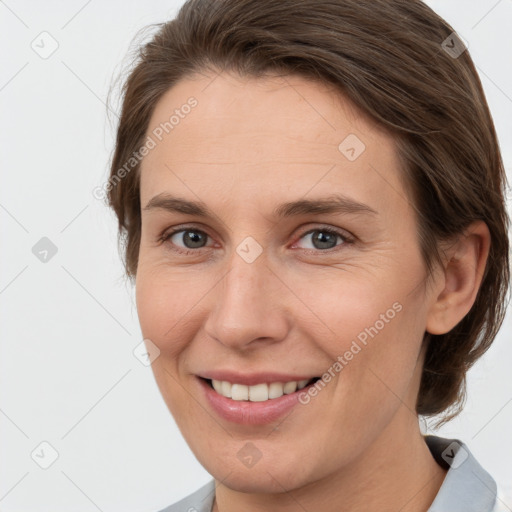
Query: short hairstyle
(392,59)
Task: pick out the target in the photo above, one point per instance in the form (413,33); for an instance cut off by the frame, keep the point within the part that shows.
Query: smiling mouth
(259,392)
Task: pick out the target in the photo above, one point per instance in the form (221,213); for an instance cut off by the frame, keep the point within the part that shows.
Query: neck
(396,472)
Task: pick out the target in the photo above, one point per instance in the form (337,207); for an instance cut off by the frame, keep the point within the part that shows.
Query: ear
(460,280)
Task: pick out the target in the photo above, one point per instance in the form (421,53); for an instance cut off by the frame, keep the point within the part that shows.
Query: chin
(261,482)
(264,477)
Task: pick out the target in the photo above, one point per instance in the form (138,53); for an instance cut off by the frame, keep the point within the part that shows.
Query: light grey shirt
(467,487)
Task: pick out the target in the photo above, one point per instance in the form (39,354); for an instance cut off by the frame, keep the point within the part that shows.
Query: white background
(68,326)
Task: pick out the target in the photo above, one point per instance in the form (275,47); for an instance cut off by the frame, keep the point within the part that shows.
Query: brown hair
(392,59)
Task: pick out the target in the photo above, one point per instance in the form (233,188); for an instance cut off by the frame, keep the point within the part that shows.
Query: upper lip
(251,379)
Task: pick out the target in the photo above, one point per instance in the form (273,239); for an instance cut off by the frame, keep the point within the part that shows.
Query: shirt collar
(467,487)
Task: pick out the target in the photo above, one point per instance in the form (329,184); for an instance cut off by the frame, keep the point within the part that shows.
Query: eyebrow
(333,204)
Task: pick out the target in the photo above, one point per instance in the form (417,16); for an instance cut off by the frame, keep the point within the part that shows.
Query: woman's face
(256,291)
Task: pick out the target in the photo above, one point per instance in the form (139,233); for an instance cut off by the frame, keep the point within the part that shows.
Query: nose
(251,305)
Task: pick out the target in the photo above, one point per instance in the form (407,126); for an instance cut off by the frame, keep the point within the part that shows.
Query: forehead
(275,134)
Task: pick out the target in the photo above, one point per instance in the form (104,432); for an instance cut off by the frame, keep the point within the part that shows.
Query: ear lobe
(460,280)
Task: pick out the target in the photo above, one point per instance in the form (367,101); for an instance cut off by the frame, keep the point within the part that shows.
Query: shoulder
(199,501)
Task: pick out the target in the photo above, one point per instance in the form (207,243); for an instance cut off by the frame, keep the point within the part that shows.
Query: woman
(311,196)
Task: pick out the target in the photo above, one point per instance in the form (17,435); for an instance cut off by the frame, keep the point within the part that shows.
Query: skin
(249,145)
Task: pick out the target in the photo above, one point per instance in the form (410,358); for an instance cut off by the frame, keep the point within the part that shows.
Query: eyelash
(165,237)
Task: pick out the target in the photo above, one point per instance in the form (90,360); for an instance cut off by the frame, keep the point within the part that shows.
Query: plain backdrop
(69,378)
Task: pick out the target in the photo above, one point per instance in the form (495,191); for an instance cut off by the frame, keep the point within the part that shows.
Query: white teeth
(225,389)
(239,392)
(290,387)
(275,390)
(259,392)
(217,385)
(302,383)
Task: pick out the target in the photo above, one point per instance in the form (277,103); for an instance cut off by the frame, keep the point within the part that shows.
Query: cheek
(375,335)
(164,303)
(383,374)
(356,311)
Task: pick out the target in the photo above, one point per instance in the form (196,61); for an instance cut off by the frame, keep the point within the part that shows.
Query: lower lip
(250,413)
